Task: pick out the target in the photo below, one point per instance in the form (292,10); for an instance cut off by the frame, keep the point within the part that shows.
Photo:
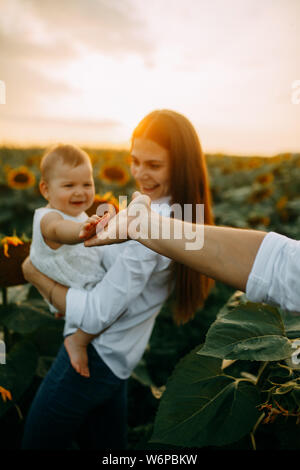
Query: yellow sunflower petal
(106,196)
(5,394)
(281,203)
(6,241)
(5,250)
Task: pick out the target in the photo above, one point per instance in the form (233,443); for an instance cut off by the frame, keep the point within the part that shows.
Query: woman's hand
(131,223)
(43,283)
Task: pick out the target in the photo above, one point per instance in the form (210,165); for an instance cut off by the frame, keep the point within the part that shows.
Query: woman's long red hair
(189,184)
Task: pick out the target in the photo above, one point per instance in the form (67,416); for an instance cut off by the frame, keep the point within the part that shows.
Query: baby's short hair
(63,153)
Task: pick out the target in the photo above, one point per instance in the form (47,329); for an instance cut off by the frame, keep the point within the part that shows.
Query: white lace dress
(71,265)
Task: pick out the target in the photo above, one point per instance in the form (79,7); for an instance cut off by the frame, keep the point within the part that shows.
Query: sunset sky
(86,71)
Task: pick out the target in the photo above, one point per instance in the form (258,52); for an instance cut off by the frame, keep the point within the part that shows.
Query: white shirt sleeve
(275,274)
(94,310)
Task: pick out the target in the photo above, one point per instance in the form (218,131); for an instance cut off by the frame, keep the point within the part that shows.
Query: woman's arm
(95,310)
(223,253)
(264,265)
(227,254)
(52,291)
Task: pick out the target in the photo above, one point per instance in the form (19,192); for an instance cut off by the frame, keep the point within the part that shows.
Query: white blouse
(134,288)
(275,274)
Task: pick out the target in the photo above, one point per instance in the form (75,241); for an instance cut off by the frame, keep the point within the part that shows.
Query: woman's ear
(44,189)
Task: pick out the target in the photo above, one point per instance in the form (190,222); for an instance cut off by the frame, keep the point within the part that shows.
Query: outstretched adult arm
(227,254)
(264,265)
(223,253)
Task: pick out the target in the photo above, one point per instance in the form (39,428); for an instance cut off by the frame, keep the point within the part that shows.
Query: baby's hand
(88,228)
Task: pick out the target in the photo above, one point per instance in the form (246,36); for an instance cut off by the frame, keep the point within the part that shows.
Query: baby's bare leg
(76,346)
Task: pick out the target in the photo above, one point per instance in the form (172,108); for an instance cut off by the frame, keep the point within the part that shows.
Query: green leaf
(234,301)
(43,366)
(291,323)
(48,339)
(203,407)
(17,374)
(249,331)
(24,318)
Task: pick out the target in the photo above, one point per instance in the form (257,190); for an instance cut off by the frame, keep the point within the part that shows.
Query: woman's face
(150,166)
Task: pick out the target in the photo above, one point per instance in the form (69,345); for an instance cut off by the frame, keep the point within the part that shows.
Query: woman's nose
(140,172)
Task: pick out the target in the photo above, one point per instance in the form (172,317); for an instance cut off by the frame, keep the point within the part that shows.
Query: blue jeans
(70,407)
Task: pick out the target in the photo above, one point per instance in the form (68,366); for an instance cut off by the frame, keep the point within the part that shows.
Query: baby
(60,228)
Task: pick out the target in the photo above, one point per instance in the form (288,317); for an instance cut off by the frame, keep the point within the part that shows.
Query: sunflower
(260,195)
(106,198)
(6,241)
(255,162)
(114,174)
(11,263)
(259,220)
(20,178)
(281,203)
(265,178)
(34,160)
(5,394)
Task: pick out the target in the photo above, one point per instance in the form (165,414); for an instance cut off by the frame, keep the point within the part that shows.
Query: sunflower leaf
(203,407)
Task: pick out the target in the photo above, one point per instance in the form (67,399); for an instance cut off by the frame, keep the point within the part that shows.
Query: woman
(168,166)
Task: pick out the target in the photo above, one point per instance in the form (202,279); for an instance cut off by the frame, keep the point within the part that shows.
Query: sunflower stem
(19,412)
(260,373)
(253,440)
(261,417)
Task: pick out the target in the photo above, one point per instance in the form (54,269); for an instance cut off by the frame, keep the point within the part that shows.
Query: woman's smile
(146,188)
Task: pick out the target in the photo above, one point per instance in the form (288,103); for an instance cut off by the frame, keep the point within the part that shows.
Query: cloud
(28,87)
(58,28)
(245,34)
(44,131)
(38,37)
(13,47)
(217,60)
(40,120)
(107,26)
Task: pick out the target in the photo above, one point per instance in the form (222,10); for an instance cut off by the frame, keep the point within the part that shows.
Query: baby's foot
(78,355)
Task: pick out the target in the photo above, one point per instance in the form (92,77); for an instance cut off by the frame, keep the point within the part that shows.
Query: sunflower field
(252,398)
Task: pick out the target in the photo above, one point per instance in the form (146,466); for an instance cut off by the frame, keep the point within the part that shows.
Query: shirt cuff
(261,274)
(75,307)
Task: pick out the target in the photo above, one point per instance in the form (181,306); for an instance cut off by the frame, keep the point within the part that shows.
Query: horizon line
(125,146)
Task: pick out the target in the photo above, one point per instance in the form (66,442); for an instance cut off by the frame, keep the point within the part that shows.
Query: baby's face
(70,189)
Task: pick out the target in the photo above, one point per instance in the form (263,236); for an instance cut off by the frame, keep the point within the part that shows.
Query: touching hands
(93,224)
(120,228)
